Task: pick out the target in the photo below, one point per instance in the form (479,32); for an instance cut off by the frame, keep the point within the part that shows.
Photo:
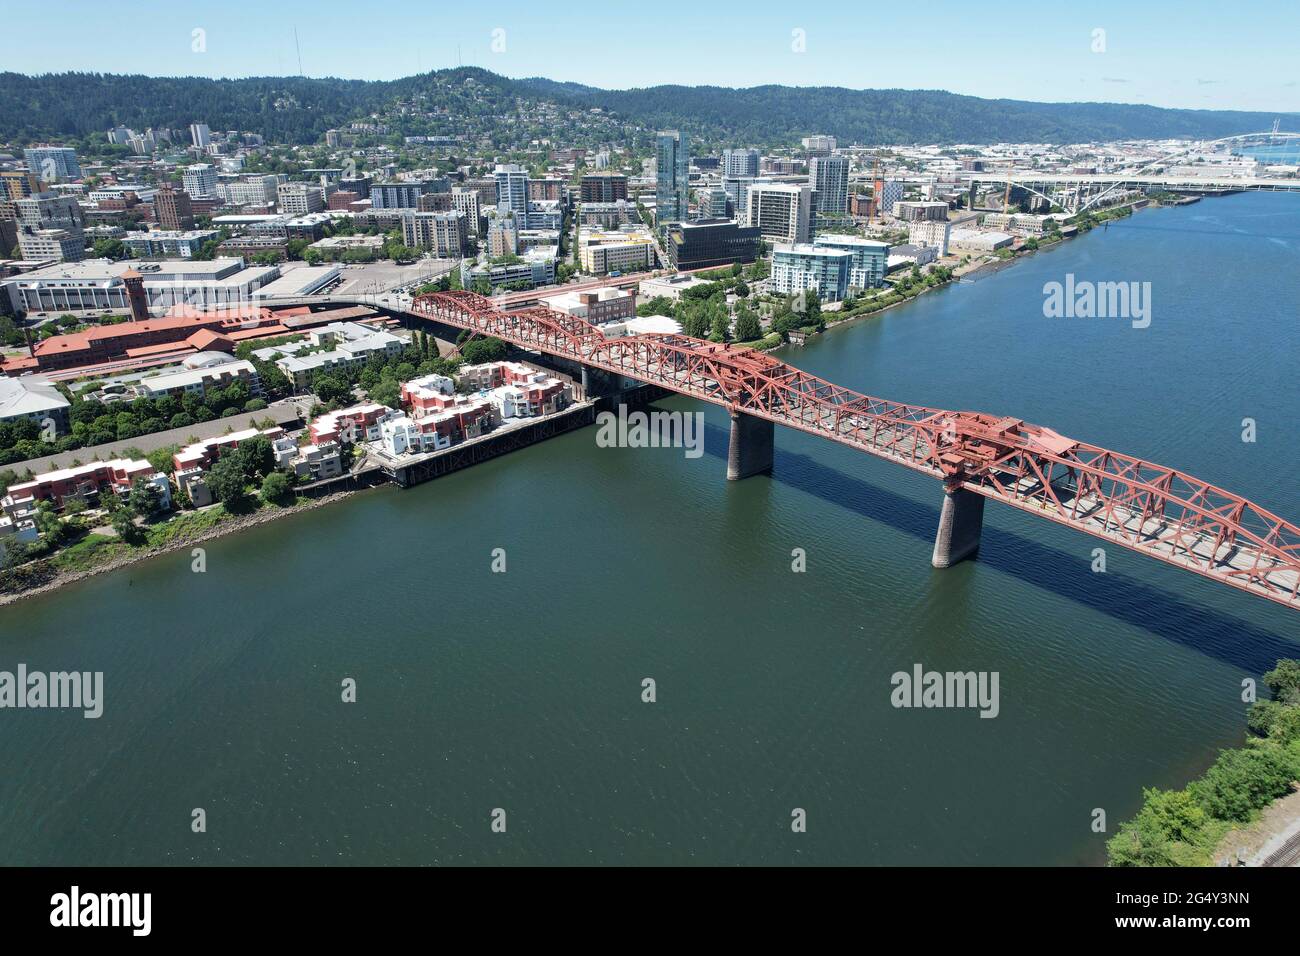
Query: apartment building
(870,259)
(781,212)
(299,199)
(200,181)
(82,482)
(628,249)
(443,233)
(602,187)
(802,267)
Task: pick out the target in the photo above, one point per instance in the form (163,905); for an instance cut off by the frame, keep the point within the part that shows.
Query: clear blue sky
(1192,54)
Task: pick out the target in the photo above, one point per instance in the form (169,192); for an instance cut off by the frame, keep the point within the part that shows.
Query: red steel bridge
(1158,511)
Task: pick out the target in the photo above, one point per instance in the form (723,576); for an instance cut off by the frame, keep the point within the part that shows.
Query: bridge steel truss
(1155,510)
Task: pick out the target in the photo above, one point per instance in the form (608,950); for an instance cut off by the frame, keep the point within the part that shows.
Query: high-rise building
(200,135)
(172,209)
(441,232)
(829,178)
(49,211)
(51,163)
(740,162)
(404,195)
(782,213)
(603,187)
(299,199)
(467,202)
(737,188)
(512,191)
(200,180)
(672,177)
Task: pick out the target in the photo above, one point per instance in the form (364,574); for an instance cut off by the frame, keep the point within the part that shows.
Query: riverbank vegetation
(1183,827)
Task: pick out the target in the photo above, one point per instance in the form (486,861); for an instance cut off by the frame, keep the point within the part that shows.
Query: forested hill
(300,109)
(784,114)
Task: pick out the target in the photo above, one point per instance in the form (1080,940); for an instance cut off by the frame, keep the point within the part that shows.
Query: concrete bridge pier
(960,523)
(750,450)
(596,382)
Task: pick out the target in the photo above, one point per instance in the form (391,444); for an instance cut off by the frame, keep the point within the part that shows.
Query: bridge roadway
(1157,511)
(1136,179)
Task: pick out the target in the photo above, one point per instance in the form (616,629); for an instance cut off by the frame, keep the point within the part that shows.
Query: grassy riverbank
(1187,827)
(97,553)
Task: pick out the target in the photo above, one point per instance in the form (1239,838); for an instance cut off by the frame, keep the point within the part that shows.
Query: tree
(1242,781)
(330,389)
(276,488)
(388,392)
(482,350)
(718,331)
(125,526)
(145,499)
(1165,832)
(226,481)
(256,457)
(748,328)
(1284,681)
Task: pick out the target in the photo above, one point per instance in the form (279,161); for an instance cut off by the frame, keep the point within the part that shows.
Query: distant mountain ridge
(301,109)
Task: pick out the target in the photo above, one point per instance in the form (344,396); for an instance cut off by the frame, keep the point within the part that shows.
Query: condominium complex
(782,213)
(800,267)
(713,203)
(916,210)
(609,215)
(870,258)
(168,243)
(466,202)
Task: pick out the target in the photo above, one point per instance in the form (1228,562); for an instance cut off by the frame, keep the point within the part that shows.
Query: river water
(522,690)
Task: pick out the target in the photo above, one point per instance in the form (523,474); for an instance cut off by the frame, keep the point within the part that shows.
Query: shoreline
(977,273)
(265,514)
(235,523)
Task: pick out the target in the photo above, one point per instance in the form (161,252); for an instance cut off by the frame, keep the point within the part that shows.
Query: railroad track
(1288,854)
